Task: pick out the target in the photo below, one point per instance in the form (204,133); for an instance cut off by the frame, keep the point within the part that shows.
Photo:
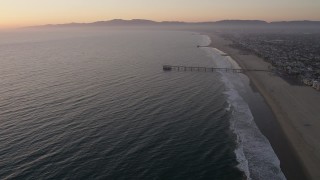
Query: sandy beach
(297,108)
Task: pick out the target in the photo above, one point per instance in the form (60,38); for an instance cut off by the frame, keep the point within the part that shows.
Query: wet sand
(297,111)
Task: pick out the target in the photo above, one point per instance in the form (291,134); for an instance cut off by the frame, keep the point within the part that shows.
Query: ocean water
(95,104)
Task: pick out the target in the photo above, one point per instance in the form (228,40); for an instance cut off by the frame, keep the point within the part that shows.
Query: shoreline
(293,123)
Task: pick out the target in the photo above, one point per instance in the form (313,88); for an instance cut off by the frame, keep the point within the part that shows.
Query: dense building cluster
(295,55)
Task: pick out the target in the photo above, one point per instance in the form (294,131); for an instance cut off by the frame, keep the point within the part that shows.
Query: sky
(18,13)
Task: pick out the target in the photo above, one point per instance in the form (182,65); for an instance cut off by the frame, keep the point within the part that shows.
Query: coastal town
(294,56)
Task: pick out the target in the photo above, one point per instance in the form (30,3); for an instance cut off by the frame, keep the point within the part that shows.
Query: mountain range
(144,22)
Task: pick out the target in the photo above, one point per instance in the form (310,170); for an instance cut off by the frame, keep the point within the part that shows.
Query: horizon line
(177,21)
(156,21)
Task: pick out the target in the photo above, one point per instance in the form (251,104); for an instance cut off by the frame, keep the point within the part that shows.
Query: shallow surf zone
(254,153)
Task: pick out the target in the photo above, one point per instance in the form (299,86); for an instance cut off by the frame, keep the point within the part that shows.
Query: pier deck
(209,69)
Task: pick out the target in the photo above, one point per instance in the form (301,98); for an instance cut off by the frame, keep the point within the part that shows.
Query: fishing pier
(210,69)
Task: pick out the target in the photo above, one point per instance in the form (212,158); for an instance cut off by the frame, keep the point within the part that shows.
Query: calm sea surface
(95,104)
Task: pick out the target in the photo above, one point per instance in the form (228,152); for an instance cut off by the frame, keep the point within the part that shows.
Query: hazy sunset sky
(16,13)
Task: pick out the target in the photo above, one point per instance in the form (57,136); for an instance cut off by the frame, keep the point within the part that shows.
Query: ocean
(96,104)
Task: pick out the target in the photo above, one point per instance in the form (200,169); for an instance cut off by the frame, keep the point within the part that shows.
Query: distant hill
(117,22)
(121,22)
(144,22)
(241,22)
(296,23)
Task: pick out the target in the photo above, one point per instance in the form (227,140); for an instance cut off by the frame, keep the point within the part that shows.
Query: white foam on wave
(254,153)
(202,40)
